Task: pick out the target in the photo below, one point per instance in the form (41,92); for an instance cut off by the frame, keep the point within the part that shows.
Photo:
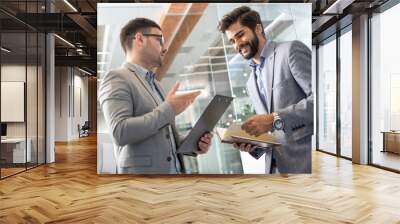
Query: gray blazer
(138,122)
(287,72)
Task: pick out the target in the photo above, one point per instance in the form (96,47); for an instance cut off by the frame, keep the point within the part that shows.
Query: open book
(235,134)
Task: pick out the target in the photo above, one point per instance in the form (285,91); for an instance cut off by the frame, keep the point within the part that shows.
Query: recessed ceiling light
(86,72)
(64,40)
(337,7)
(5,49)
(70,5)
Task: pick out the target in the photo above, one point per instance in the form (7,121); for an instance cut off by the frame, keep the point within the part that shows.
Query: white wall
(61,103)
(33,125)
(16,73)
(82,83)
(70,83)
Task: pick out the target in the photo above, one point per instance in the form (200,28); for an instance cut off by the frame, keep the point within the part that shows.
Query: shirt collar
(144,73)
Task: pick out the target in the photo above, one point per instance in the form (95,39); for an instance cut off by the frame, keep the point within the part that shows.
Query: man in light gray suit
(280,88)
(140,116)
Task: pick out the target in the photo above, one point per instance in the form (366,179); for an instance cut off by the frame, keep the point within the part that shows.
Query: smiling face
(244,40)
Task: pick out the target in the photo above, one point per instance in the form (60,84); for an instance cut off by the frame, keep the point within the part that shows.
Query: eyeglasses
(160,37)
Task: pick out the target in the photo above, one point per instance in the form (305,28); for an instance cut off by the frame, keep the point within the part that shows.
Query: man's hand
(180,102)
(258,124)
(204,143)
(244,147)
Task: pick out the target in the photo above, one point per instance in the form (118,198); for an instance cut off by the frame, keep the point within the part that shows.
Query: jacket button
(169,158)
(167,136)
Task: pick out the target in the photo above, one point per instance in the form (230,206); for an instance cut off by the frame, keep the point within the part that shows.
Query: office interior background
(50,68)
(357,83)
(201,58)
(48,81)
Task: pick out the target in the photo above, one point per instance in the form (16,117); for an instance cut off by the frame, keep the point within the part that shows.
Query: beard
(156,60)
(252,47)
(159,61)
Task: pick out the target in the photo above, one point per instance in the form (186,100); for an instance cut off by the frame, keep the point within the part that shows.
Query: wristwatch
(278,123)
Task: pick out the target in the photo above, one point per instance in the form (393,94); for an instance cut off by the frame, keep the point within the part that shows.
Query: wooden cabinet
(391,142)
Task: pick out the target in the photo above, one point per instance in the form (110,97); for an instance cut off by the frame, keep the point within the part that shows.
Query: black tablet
(206,123)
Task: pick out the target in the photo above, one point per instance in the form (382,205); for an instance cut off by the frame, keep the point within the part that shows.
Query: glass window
(346,94)
(314,88)
(385,84)
(41,79)
(15,149)
(327,96)
(31,97)
(22,90)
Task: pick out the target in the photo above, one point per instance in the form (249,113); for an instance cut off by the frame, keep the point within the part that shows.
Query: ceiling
(81,33)
(332,15)
(74,23)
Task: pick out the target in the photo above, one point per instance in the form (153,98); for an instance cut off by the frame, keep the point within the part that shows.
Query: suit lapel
(142,81)
(160,89)
(269,75)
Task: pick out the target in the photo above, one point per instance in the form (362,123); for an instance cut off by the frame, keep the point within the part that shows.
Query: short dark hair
(245,16)
(131,28)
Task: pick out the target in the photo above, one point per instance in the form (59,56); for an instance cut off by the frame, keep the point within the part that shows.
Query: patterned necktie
(150,79)
(261,89)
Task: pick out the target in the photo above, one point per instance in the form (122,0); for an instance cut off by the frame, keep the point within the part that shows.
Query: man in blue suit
(280,89)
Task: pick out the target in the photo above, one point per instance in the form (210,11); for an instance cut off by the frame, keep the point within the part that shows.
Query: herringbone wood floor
(70,191)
